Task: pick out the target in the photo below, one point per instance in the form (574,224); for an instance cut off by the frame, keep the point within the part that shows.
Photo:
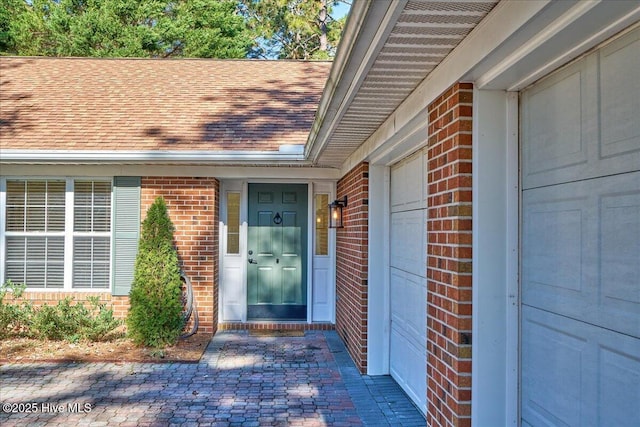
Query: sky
(340,10)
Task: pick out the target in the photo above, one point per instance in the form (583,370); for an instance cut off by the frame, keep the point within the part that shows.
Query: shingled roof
(147,104)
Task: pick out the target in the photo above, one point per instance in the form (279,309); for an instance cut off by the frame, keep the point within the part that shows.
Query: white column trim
(495,259)
(378,305)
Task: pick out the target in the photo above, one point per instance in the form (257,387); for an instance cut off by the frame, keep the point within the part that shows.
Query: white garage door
(408,283)
(581,242)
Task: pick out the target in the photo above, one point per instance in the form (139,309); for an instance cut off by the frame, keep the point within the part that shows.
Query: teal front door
(277,252)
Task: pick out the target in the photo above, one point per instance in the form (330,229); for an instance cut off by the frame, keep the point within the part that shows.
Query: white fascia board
(213,171)
(590,41)
(147,157)
(538,40)
(351,65)
(506,18)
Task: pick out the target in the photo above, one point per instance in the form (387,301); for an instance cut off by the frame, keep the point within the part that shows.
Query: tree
(125,28)
(9,9)
(293,29)
(155,316)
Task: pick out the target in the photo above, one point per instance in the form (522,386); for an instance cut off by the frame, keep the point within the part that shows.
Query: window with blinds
(41,221)
(91,234)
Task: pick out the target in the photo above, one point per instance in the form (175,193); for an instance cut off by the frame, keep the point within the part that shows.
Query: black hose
(189,305)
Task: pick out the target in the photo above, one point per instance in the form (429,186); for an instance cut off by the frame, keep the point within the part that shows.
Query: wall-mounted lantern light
(335,213)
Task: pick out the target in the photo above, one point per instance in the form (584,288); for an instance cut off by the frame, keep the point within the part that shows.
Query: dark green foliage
(9,10)
(101,324)
(65,321)
(61,322)
(123,28)
(154,317)
(15,318)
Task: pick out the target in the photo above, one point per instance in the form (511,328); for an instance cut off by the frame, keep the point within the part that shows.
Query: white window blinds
(91,238)
(35,233)
(40,223)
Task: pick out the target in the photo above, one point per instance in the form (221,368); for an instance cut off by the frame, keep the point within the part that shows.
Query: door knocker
(277,219)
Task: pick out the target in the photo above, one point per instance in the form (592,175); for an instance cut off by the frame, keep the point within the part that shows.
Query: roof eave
(367,28)
(15,156)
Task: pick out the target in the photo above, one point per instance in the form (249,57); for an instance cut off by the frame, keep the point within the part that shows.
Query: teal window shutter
(126,231)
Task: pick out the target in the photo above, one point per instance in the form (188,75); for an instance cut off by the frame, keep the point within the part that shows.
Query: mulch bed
(26,350)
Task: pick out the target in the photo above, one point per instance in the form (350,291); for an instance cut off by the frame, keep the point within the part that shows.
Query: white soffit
(424,33)
(505,46)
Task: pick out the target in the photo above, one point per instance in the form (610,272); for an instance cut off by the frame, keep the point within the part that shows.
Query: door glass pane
(322,219)
(233,223)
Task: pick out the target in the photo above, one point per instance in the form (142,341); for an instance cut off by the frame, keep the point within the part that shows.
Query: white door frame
(239,261)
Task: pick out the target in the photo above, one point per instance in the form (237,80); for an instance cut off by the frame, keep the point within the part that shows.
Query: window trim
(69,233)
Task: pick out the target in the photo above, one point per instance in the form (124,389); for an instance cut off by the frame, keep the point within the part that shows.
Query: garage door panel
(582,122)
(620,250)
(620,94)
(409,183)
(619,379)
(408,241)
(409,305)
(577,374)
(554,229)
(408,356)
(407,281)
(581,251)
(580,281)
(552,366)
(558,110)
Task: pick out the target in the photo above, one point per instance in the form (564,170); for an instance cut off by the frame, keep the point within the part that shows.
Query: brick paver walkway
(240,381)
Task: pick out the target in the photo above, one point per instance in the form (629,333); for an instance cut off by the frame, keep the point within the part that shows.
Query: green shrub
(60,322)
(15,318)
(102,324)
(64,321)
(154,317)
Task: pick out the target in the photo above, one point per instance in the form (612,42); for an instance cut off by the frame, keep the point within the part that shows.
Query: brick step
(267,325)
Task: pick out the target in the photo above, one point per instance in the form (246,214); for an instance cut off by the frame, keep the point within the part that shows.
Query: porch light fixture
(335,213)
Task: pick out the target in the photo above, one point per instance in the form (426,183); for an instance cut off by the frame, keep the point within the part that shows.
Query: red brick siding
(193,208)
(351,264)
(120,306)
(449,259)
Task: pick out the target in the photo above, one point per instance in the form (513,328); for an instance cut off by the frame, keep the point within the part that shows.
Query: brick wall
(351,264)
(120,306)
(193,208)
(449,259)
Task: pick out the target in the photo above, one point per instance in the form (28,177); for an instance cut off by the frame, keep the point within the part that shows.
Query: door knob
(252,261)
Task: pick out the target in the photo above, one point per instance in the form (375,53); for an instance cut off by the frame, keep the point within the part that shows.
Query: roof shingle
(146,104)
